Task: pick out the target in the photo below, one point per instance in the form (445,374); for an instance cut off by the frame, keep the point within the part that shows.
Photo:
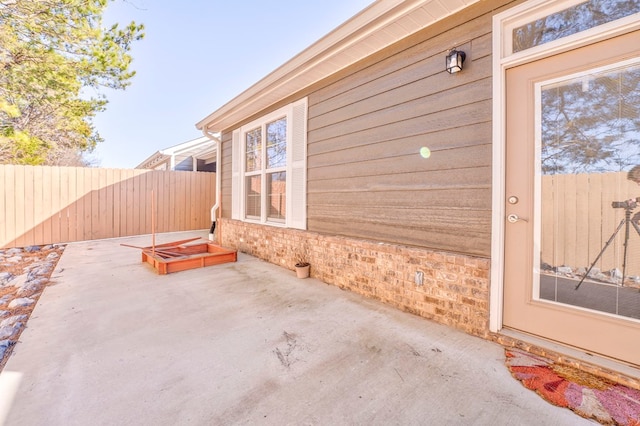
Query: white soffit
(379,25)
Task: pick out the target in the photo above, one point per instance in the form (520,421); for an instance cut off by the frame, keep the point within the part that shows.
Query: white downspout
(216,206)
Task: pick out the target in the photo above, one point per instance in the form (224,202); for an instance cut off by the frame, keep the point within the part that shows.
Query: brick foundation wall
(455,289)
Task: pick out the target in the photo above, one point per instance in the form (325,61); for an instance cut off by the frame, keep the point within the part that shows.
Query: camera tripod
(628,208)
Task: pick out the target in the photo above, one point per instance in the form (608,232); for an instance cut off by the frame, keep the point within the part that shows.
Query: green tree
(55,56)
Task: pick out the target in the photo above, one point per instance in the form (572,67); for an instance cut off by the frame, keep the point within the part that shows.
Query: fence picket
(578,219)
(44,205)
(27,212)
(32,197)
(71,206)
(3,207)
(57,208)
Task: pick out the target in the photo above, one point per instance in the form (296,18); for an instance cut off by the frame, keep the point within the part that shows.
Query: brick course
(455,288)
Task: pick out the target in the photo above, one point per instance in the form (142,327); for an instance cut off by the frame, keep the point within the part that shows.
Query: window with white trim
(542,27)
(573,19)
(269,168)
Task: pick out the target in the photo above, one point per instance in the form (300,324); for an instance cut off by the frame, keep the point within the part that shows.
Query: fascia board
(338,47)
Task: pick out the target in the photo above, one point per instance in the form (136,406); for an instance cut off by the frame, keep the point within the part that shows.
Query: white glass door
(572,239)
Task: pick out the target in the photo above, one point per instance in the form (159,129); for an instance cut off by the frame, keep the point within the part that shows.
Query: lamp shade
(455,60)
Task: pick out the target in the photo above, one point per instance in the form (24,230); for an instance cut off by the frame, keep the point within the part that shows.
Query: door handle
(513,218)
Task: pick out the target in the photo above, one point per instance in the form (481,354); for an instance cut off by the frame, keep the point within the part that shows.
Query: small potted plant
(302,264)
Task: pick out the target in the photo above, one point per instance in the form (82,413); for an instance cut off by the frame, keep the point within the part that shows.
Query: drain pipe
(216,206)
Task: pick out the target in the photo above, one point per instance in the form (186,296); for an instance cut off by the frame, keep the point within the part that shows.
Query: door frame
(504,58)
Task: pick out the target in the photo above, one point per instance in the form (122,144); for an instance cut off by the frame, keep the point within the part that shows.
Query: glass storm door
(572,233)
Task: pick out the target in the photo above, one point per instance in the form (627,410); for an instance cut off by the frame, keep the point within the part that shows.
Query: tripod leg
(627,219)
(601,253)
(636,227)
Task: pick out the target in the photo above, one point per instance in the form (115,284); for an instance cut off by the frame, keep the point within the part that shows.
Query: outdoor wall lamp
(454,61)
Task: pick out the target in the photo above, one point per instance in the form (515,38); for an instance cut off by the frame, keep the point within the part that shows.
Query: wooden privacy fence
(44,205)
(578,219)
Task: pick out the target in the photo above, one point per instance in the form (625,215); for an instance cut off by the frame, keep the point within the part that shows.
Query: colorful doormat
(587,395)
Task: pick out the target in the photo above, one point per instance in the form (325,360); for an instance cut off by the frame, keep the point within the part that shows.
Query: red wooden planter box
(187,257)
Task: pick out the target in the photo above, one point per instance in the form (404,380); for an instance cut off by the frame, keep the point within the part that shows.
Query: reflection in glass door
(588,190)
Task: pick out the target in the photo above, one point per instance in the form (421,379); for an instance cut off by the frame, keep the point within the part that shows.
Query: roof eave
(374,28)
(154,159)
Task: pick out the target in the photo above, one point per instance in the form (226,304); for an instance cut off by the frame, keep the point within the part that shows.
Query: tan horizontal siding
(440,140)
(465,178)
(475,198)
(365,130)
(457,118)
(441,233)
(435,40)
(441,161)
(225,172)
(408,101)
(482,46)
(366,177)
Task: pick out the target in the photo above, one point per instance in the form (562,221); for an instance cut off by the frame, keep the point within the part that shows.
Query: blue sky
(196,56)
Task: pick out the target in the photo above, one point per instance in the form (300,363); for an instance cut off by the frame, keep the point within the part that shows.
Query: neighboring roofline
(185,146)
(158,157)
(374,28)
(154,159)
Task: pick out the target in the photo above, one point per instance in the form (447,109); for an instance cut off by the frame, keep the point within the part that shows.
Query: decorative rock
(39,271)
(38,281)
(594,272)
(29,284)
(9,330)
(32,266)
(4,345)
(564,270)
(30,287)
(21,301)
(20,280)
(12,320)
(5,277)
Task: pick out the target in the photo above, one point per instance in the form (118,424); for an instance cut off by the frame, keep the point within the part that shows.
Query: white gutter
(216,206)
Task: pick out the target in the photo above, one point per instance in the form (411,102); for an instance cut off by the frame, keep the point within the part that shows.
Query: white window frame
(504,58)
(263,171)
(295,169)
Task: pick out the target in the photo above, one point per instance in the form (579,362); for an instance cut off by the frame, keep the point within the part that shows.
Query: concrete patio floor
(113,343)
